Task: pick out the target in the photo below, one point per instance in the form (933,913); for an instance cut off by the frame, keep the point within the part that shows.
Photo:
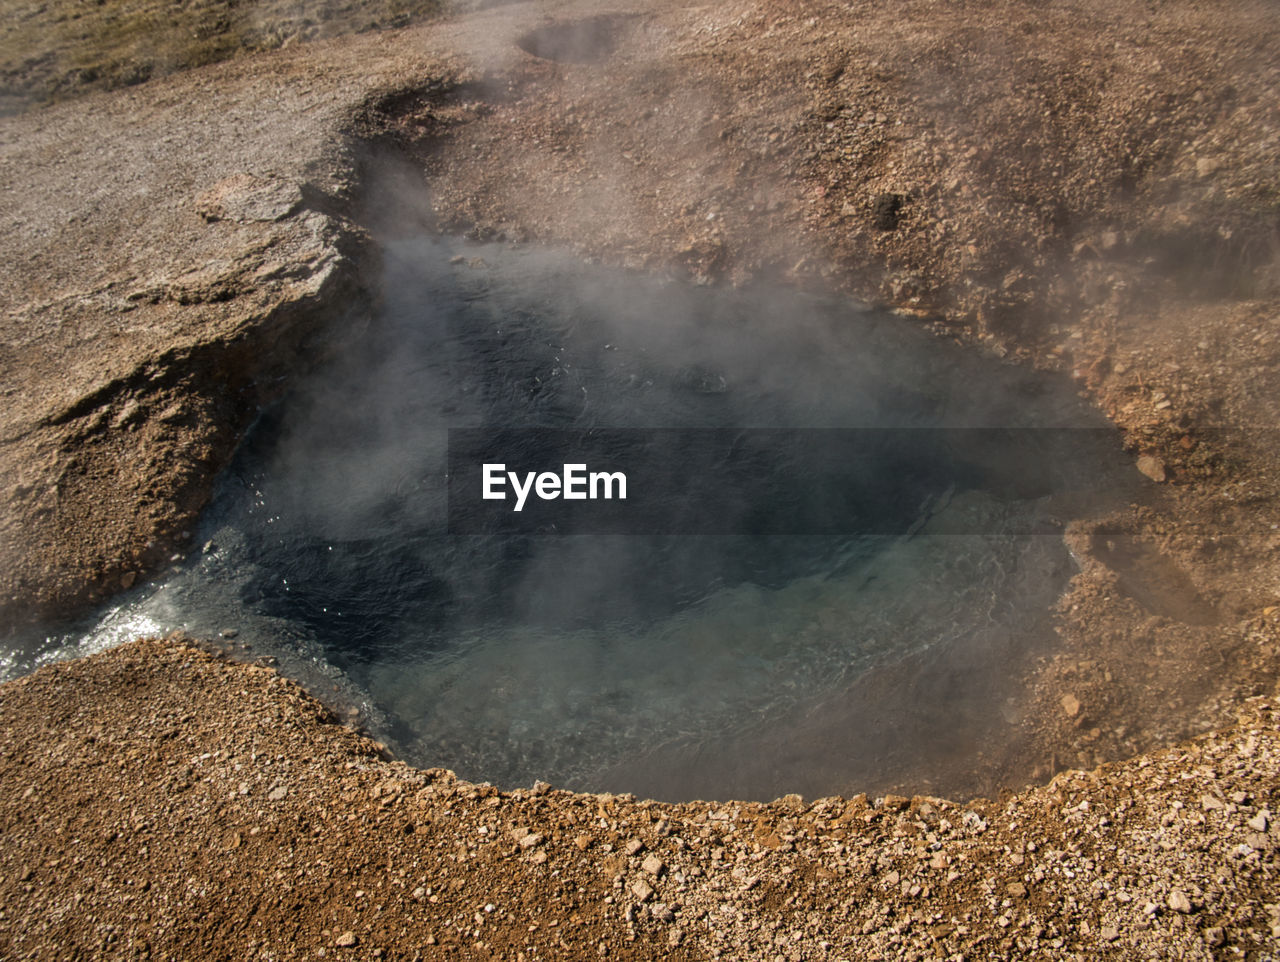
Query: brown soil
(1088,188)
(141,822)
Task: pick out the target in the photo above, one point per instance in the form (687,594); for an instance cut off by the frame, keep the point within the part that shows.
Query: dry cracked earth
(1079,187)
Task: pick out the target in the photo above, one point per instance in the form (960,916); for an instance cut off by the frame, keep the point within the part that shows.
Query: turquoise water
(519,656)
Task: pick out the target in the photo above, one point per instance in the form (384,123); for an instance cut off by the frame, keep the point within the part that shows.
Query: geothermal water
(519,653)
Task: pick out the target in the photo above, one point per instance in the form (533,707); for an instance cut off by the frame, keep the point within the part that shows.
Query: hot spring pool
(754,572)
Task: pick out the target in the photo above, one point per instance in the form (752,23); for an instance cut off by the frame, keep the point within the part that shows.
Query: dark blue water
(515,656)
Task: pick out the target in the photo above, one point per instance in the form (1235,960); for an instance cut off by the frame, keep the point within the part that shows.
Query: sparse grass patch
(53,49)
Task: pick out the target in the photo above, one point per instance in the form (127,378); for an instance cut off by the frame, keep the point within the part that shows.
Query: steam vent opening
(588,41)
(839,532)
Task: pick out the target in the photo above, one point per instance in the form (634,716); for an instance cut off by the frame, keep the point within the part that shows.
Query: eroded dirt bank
(1087,188)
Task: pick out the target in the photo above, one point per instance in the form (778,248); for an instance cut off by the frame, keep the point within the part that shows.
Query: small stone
(653,865)
(128,413)
(662,912)
(1109,933)
(1179,902)
(1205,166)
(1152,467)
(1214,936)
(209,547)
(531,841)
(229,632)
(1259,822)
(1017,890)
(127,579)
(634,846)
(278,794)
(346,940)
(642,890)
(1070,704)
(1211,803)
(583,842)
(245,198)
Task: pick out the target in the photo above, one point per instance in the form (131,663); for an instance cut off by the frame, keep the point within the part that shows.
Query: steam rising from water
(515,658)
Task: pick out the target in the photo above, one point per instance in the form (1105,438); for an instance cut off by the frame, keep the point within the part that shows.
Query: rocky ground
(1089,188)
(141,822)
